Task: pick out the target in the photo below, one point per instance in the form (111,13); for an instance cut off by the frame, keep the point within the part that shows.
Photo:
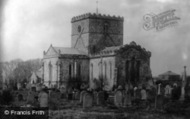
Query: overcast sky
(30,26)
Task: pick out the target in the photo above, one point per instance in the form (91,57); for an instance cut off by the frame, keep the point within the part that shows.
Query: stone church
(97,54)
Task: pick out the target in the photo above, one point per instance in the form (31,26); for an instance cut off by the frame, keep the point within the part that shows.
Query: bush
(6,97)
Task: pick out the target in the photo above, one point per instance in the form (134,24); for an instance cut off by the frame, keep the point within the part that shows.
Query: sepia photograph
(94,59)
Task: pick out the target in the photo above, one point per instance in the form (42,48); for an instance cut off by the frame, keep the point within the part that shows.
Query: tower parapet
(96,16)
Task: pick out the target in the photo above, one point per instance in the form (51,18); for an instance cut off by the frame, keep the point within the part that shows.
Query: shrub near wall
(6,98)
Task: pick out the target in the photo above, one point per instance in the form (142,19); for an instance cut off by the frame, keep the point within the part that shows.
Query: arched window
(70,70)
(79,70)
(91,73)
(50,72)
(105,70)
(100,68)
(110,70)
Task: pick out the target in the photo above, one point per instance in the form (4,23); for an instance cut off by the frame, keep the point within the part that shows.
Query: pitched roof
(65,50)
(169,73)
(39,73)
(111,49)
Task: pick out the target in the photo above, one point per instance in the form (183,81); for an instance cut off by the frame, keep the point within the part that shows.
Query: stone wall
(74,64)
(92,33)
(102,67)
(140,58)
(53,62)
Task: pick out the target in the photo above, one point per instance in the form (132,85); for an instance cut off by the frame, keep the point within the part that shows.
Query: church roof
(72,51)
(168,73)
(111,49)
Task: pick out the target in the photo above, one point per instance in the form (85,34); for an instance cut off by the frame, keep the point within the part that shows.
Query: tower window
(70,70)
(79,28)
(91,71)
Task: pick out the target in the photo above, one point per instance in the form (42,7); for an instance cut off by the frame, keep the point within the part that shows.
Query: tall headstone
(101,98)
(143,94)
(159,101)
(87,100)
(127,98)
(82,95)
(43,99)
(30,97)
(118,98)
(168,90)
(77,95)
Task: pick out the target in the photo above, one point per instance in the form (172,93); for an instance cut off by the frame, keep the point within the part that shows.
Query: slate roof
(111,49)
(72,51)
(168,73)
(39,73)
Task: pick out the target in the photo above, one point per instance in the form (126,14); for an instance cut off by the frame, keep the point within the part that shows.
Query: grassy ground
(64,109)
(73,110)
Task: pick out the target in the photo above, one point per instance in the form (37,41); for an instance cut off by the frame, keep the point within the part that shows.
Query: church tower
(93,32)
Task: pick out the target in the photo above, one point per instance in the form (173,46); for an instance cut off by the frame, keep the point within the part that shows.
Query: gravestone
(159,101)
(63,96)
(20,97)
(33,89)
(43,99)
(118,98)
(38,88)
(143,94)
(77,95)
(95,95)
(176,93)
(138,94)
(127,98)
(168,90)
(70,93)
(100,98)
(187,93)
(55,96)
(30,97)
(81,95)
(87,100)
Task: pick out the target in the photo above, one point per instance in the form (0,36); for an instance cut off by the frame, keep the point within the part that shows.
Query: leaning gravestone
(87,100)
(100,98)
(118,98)
(81,95)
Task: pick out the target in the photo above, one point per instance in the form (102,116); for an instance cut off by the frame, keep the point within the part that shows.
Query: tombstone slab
(118,98)
(101,98)
(159,101)
(43,99)
(81,96)
(127,99)
(87,100)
